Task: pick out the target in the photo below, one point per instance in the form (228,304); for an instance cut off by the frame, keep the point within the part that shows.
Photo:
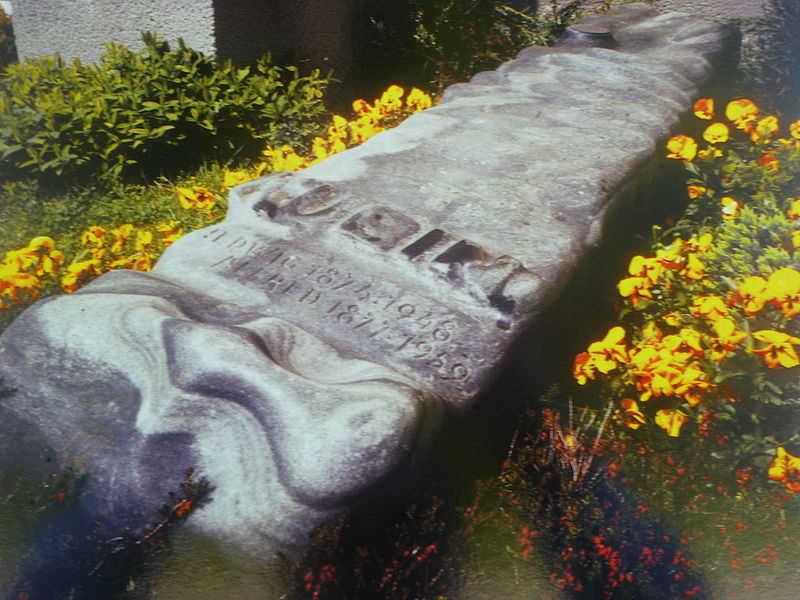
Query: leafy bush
(709,328)
(157,111)
(433,43)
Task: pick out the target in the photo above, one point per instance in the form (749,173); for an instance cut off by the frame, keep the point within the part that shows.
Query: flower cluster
(22,270)
(125,247)
(26,271)
(370,119)
(711,316)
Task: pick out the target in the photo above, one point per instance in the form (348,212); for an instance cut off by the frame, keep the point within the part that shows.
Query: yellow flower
(195,197)
(12,280)
(704,108)
(785,469)
(796,239)
(794,129)
(716,133)
(671,421)
(752,294)
(692,384)
(672,319)
(650,268)
(583,369)
(783,290)
(608,351)
(709,307)
(77,271)
(700,244)
(695,191)
(143,239)
(635,288)
(730,208)
(418,100)
(120,234)
(780,350)
(711,152)
(391,100)
(170,232)
(694,268)
(682,147)
(727,339)
(361,107)
(234,178)
(794,209)
(632,416)
(285,159)
(742,113)
(93,236)
(765,129)
(685,345)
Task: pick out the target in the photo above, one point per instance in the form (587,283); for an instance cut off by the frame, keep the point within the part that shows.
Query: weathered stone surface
(298,353)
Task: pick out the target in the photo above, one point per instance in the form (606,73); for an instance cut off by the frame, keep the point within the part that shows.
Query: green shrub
(140,114)
(433,43)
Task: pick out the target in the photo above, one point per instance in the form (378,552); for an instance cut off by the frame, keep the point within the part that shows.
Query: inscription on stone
(316,289)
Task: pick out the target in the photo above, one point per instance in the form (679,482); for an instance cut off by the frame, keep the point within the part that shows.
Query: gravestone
(299,355)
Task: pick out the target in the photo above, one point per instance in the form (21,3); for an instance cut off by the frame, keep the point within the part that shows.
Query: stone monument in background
(300,354)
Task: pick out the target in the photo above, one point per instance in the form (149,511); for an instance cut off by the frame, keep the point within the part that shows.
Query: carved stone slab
(298,353)
(430,247)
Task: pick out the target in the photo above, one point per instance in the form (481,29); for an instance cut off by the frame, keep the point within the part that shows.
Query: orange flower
(682,147)
(671,421)
(768,160)
(704,108)
(716,133)
(780,350)
(695,191)
(583,369)
(785,469)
